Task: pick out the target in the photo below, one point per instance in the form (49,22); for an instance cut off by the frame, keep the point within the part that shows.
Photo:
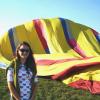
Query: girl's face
(23,51)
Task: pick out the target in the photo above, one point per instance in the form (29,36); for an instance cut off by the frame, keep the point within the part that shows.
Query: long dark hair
(30,62)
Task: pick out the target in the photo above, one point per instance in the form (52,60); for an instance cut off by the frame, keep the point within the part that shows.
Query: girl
(21,74)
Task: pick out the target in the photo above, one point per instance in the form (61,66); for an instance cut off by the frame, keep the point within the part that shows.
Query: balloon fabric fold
(63,50)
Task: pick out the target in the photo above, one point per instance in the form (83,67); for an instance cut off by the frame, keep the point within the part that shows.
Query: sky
(16,12)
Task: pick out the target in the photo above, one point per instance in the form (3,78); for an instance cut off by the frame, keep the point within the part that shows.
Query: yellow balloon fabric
(62,49)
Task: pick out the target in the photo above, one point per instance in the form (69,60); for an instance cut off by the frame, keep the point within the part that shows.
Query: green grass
(50,90)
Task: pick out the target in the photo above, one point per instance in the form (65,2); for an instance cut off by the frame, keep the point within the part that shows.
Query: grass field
(50,90)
